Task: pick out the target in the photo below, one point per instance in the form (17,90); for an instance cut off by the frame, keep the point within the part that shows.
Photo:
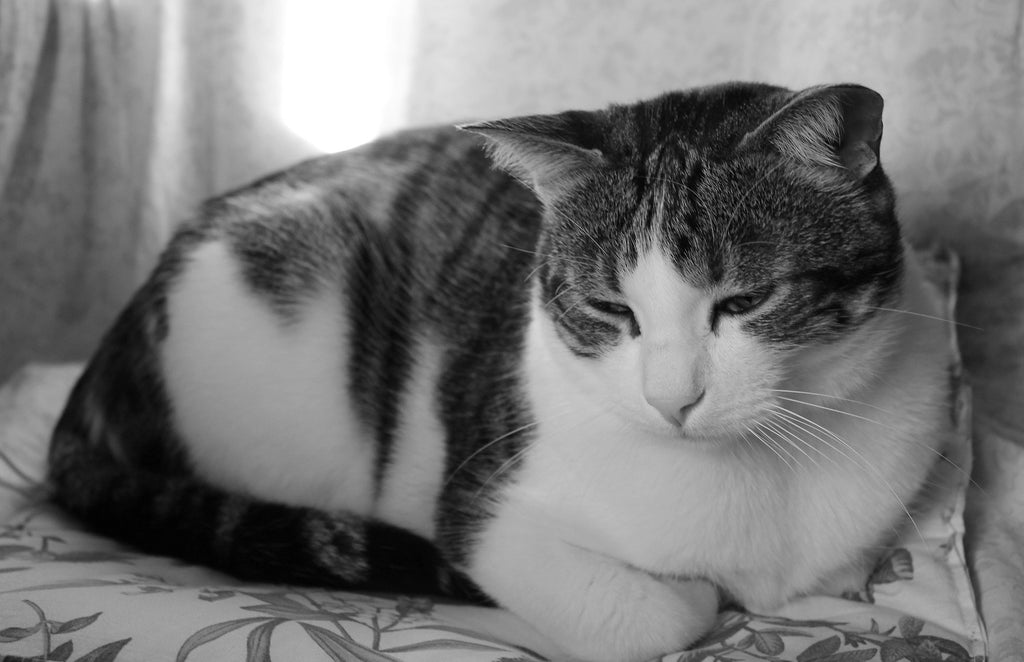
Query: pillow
(66,594)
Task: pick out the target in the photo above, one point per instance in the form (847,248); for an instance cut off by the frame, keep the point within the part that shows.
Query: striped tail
(255,540)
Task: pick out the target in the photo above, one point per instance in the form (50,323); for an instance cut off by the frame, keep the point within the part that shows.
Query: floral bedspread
(68,595)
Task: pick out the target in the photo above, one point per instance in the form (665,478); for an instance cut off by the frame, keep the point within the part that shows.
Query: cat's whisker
(540,265)
(557,295)
(782,448)
(810,426)
(790,439)
(515,457)
(772,436)
(770,445)
(926,316)
(861,461)
(520,454)
(562,291)
(943,458)
(533,272)
(797,435)
(837,411)
(831,397)
(519,249)
(767,443)
(569,310)
(746,439)
(510,433)
(904,438)
(577,226)
(580,262)
(505,466)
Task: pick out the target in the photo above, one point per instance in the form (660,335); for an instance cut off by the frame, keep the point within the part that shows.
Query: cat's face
(689,281)
(689,312)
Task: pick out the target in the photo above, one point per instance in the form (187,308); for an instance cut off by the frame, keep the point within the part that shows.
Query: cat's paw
(657,619)
(591,606)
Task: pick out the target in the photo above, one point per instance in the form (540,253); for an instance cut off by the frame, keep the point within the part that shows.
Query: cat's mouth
(697,436)
(708,442)
(717,431)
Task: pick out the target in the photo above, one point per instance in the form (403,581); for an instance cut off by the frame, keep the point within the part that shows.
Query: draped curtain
(117,116)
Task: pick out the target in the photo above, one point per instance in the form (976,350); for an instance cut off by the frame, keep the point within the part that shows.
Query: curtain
(116,118)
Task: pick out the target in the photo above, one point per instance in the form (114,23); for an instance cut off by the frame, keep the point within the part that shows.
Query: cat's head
(706,249)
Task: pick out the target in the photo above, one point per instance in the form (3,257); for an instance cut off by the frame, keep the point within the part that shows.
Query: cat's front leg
(596,608)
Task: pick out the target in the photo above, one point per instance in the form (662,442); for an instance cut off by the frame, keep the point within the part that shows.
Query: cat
(653,362)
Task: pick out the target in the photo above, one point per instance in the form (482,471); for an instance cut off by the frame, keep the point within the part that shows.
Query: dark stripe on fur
(115,459)
(254,540)
(381,335)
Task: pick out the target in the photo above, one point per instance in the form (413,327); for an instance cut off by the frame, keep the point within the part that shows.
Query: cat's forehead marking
(662,298)
(714,235)
(682,226)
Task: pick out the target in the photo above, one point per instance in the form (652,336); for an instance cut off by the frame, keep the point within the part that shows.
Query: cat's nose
(676,408)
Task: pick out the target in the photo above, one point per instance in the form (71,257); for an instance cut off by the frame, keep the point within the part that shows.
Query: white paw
(652,619)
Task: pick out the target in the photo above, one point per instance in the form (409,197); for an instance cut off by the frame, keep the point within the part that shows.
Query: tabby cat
(654,362)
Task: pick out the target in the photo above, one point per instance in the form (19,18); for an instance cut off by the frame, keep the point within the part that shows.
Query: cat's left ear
(835,125)
(549,153)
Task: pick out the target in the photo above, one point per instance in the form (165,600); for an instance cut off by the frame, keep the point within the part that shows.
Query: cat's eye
(611,308)
(741,303)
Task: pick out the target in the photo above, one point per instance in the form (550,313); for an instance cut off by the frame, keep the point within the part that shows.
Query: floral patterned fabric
(66,594)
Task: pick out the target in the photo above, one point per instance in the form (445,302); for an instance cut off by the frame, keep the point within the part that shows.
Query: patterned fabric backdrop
(116,116)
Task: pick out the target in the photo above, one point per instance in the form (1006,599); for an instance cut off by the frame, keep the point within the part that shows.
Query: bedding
(66,594)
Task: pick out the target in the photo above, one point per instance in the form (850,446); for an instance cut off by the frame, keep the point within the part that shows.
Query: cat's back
(421,181)
(305,316)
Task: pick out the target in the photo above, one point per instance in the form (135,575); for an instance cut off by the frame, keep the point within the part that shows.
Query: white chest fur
(745,519)
(766,523)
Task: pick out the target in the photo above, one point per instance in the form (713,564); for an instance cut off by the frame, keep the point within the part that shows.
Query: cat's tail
(182,516)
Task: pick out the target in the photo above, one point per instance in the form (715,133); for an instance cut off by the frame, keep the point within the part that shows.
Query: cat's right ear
(838,126)
(549,153)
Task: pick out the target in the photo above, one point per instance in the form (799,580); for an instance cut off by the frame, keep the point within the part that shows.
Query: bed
(66,594)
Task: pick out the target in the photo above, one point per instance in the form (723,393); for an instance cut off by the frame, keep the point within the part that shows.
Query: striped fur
(400,368)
